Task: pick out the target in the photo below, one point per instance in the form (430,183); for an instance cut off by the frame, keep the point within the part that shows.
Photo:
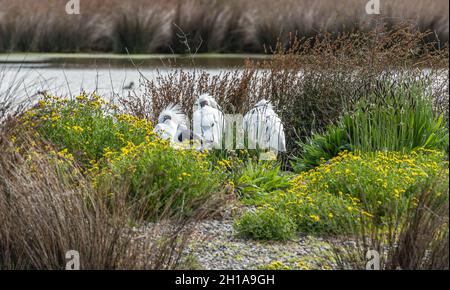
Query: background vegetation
(313,81)
(149,26)
(83,167)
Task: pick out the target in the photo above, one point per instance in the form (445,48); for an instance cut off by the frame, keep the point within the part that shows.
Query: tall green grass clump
(398,115)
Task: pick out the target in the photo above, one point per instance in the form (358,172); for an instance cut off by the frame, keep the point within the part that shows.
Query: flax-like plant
(398,115)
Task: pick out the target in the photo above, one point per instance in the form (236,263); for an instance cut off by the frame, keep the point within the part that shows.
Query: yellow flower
(315,218)
(77,129)
(65,154)
(80,98)
(366,214)
(397,193)
(42,103)
(303,266)
(125,150)
(107,152)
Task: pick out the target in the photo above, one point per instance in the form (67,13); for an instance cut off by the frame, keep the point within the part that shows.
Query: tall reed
(48,208)
(150,26)
(397,116)
(418,240)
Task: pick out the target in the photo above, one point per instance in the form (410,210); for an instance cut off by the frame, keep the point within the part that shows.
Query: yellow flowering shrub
(276,265)
(351,187)
(162,178)
(86,126)
(122,151)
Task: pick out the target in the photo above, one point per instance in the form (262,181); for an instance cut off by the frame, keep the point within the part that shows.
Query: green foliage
(87,126)
(396,116)
(321,147)
(337,197)
(163,179)
(256,180)
(266,224)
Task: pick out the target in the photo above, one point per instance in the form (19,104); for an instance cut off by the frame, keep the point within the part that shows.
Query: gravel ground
(215,247)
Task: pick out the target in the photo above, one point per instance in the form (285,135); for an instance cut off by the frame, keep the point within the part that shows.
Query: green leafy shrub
(353,187)
(257,179)
(337,197)
(396,116)
(162,178)
(87,126)
(322,147)
(266,224)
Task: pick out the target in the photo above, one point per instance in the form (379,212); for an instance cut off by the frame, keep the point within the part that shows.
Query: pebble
(215,246)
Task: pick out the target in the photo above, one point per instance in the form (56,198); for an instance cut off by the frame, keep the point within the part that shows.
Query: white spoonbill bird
(208,121)
(170,121)
(264,128)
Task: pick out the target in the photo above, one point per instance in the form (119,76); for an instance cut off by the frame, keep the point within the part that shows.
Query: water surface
(69,74)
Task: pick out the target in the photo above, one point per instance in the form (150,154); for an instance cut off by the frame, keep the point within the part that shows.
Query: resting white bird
(264,128)
(208,122)
(171,122)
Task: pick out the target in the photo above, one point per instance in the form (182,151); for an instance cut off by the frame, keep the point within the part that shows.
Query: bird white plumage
(208,121)
(206,98)
(170,122)
(264,128)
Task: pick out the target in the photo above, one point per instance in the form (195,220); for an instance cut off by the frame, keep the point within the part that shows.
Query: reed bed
(150,26)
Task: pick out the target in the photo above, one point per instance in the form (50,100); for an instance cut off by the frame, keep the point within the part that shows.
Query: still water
(69,74)
(24,75)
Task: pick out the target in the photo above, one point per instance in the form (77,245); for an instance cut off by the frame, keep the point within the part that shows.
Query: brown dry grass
(47,207)
(147,26)
(417,241)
